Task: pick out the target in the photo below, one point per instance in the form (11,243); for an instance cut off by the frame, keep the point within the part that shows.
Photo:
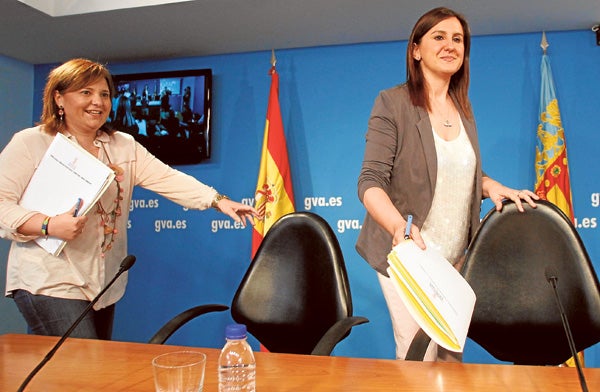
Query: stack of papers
(435,293)
(66,173)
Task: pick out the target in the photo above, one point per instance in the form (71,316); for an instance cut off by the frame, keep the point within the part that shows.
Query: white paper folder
(435,293)
(66,173)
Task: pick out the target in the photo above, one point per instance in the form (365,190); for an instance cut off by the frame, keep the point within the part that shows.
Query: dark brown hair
(459,83)
(70,76)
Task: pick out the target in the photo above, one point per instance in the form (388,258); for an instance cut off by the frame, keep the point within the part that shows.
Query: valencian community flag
(551,164)
(274,196)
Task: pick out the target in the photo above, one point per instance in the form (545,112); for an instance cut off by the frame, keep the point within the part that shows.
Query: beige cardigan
(80,271)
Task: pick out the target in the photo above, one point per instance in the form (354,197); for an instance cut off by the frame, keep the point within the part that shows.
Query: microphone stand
(563,316)
(125,265)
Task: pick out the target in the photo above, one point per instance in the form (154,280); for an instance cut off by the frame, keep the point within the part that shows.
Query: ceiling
(210,27)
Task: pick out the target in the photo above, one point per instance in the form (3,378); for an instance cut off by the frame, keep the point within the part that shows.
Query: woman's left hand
(498,192)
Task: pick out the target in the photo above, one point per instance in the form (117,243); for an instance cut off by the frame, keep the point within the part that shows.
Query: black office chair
(516,317)
(295,296)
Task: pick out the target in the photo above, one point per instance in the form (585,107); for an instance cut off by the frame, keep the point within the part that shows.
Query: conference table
(94,365)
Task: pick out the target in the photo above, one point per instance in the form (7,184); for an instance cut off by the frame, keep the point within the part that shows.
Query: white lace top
(445,228)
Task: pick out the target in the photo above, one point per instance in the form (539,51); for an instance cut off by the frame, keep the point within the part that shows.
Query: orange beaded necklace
(108,219)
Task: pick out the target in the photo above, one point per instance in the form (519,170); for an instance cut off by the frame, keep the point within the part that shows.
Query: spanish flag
(274,196)
(551,164)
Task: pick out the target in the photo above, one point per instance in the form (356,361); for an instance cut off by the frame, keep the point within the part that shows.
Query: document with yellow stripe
(435,293)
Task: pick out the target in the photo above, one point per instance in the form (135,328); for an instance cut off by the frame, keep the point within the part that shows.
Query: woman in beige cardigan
(52,291)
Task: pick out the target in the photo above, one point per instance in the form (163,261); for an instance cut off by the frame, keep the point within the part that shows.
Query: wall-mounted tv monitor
(167,112)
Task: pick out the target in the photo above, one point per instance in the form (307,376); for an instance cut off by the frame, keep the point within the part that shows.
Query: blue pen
(78,206)
(408,225)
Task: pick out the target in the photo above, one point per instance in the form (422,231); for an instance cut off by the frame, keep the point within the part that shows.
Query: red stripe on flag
(276,143)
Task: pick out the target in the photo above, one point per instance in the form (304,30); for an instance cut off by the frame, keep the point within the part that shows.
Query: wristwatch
(217,199)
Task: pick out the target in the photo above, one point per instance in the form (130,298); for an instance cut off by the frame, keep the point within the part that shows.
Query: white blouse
(445,229)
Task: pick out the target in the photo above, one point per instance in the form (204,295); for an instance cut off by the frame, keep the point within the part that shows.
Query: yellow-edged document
(66,173)
(435,293)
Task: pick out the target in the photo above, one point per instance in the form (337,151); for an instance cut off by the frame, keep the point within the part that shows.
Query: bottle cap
(235,331)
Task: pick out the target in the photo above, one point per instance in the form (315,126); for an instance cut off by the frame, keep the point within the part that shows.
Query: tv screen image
(167,112)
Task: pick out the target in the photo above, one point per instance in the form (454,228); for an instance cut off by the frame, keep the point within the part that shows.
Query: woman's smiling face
(86,109)
(442,49)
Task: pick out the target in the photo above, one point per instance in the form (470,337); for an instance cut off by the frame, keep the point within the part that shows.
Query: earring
(61,113)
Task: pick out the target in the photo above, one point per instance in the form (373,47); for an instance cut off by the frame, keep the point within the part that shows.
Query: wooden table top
(93,365)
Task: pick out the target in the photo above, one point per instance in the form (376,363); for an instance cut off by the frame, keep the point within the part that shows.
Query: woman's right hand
(66,226)
(415,235)
(380,207)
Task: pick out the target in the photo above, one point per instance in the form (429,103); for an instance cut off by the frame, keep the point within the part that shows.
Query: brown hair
(459,83)
(70,76)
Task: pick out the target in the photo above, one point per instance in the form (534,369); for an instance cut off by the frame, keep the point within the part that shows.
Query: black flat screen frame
(173,133)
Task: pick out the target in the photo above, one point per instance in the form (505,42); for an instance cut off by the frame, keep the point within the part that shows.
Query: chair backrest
(516,317)
(296,287)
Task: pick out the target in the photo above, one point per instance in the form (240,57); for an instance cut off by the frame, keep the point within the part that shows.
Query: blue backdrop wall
(16,105)
(326,95)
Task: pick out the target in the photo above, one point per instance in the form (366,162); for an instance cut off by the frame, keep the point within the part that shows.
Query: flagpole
(567,207)
(274,196)
(544,44)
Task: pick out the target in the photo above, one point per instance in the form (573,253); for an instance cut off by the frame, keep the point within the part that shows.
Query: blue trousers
(54,316)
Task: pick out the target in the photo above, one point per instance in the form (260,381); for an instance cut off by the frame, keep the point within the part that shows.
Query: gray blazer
(400,158)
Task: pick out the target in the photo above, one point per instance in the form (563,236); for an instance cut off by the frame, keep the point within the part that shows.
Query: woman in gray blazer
(422,159)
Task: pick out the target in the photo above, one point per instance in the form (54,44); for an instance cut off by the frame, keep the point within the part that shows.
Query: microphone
(551,277)
(127,263)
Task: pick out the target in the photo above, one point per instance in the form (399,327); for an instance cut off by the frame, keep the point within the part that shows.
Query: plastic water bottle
(237,366)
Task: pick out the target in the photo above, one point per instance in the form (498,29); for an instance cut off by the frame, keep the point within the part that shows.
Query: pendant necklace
(447,123)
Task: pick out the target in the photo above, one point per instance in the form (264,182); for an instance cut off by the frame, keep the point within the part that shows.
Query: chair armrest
(336,333)
(418,346)
(176,322)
